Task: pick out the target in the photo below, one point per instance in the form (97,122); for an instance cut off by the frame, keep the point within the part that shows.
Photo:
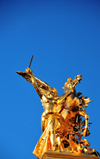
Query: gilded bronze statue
(61,122)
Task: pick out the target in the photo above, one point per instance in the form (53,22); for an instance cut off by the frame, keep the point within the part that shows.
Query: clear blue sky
(64,37)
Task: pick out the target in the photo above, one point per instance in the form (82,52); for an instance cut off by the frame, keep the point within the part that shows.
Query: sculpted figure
(74,104)
(73,127)
(62,126)
(51,116)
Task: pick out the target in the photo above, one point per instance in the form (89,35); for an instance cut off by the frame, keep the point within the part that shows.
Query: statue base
(66,155)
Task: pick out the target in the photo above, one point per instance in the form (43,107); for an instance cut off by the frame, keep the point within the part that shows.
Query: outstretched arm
(34,83)
(77,80)
(63,96)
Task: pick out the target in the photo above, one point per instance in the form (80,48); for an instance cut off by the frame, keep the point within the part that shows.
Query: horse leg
(84,114)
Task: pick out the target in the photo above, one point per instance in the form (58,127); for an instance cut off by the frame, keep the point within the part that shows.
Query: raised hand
(28,70)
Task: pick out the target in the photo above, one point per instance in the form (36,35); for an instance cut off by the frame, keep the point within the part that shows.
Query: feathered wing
(45,88)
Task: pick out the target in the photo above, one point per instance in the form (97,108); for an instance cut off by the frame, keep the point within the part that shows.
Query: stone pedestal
(66,155)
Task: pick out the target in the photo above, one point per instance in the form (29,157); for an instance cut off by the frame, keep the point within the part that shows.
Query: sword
(31,61)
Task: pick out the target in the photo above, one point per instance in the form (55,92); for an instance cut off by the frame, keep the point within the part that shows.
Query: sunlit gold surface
(61,121)
(66,155)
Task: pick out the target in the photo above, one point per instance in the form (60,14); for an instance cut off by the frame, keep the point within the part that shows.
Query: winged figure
(53,105)
(60,120)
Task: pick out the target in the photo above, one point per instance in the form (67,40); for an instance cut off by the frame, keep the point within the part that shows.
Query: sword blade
(31,61)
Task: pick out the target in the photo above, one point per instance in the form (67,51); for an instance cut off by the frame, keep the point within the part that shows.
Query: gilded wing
(45,88)
(25,75)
